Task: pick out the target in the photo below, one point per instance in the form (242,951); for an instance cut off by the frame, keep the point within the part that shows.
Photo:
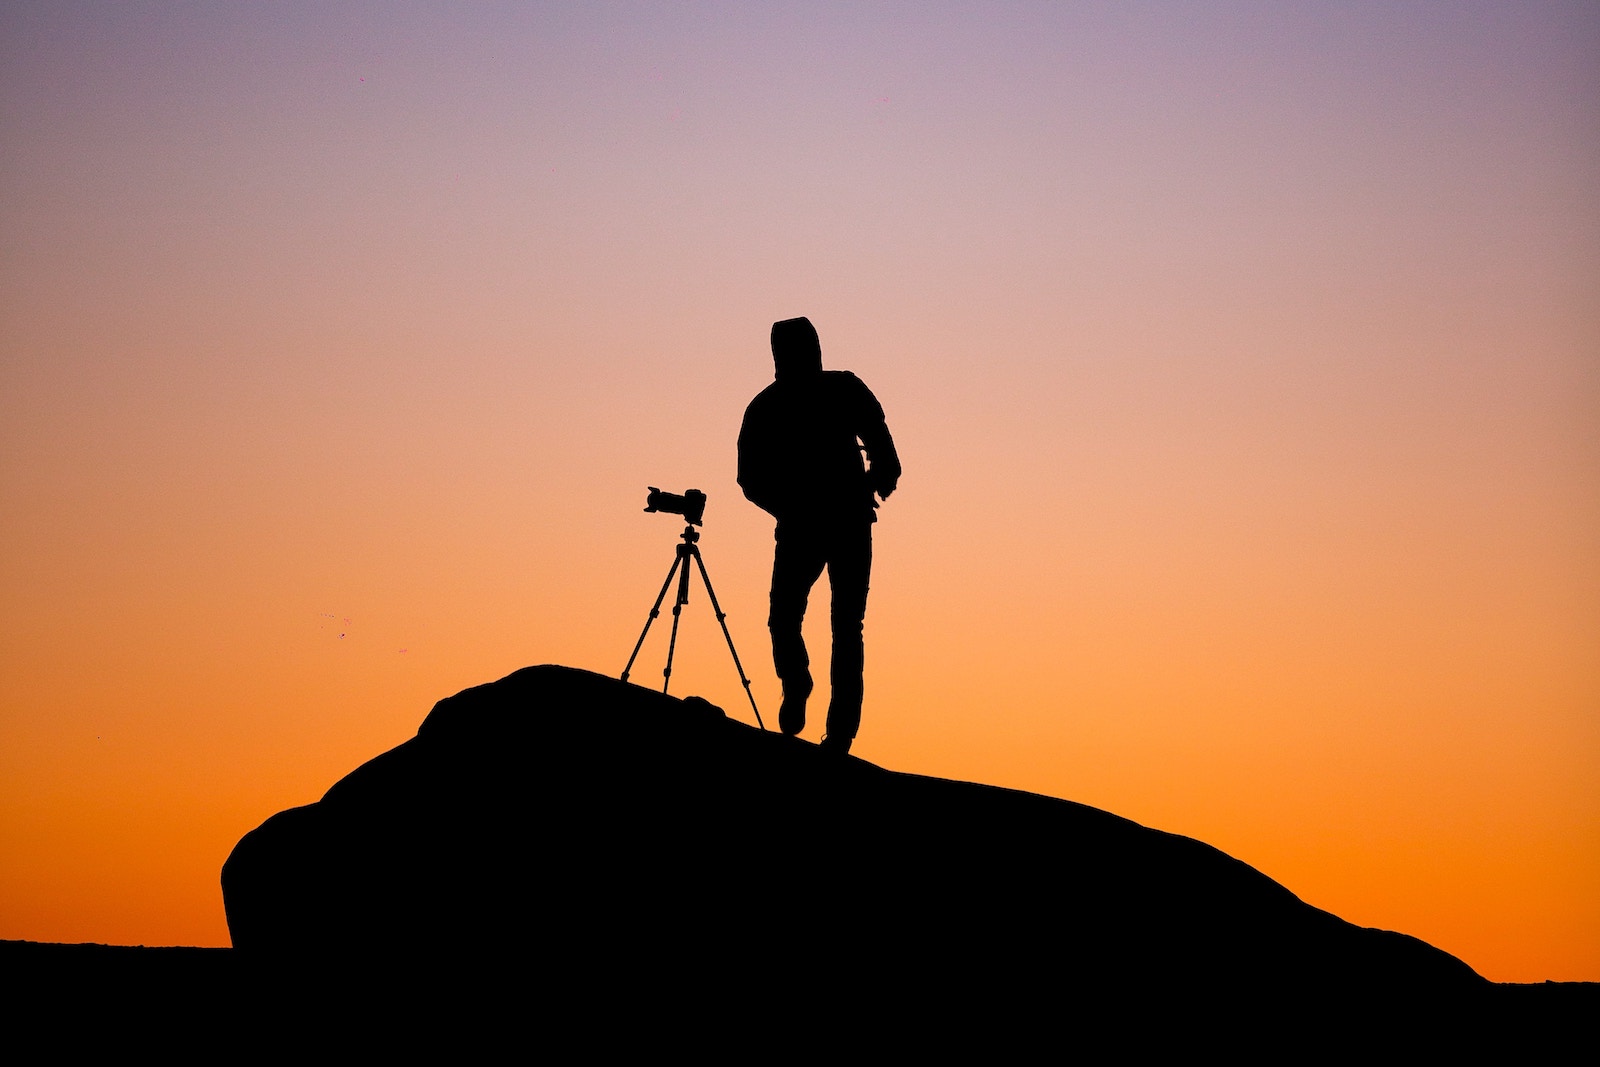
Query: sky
(1244,361)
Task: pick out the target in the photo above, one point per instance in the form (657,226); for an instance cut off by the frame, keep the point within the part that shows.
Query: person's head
(796,352)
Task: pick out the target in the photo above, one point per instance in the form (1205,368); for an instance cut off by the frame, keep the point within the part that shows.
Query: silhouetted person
(800,460)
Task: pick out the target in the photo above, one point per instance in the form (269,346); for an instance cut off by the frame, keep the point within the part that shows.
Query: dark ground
(197,1001)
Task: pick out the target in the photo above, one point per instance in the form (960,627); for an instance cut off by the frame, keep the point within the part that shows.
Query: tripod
(680,566)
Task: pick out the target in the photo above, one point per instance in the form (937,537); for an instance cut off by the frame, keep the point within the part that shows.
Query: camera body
(691,505)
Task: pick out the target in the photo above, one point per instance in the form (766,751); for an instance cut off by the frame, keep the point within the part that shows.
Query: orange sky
(1243,359)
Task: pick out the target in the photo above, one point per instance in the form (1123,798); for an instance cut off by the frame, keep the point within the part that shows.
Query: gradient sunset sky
(1244,359)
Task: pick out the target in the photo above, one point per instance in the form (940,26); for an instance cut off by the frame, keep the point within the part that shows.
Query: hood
(796,352)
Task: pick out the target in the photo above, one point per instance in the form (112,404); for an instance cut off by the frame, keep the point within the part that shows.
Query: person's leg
(849,570)
(797,561)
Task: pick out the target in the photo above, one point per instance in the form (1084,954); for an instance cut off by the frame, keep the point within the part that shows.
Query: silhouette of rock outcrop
(620,838)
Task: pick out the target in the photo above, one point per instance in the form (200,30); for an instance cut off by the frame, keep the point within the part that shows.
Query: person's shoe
(792,715)
(838,744)
(792,712)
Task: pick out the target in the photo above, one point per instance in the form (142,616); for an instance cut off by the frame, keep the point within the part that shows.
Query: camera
(691,505)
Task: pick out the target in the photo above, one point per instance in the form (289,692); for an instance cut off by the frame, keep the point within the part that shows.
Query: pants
(797,562)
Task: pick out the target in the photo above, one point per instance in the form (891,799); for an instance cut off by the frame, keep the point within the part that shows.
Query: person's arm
(883,462)
(756,462)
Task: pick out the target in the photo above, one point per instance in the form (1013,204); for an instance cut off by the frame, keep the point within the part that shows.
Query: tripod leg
(722,620)
(677,613)
(655,612)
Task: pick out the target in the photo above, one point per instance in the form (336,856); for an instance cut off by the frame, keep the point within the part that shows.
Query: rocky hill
(624,840)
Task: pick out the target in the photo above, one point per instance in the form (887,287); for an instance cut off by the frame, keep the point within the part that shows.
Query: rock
(622,840)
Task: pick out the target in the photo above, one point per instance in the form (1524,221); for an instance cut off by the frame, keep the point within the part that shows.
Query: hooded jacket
(801,444)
